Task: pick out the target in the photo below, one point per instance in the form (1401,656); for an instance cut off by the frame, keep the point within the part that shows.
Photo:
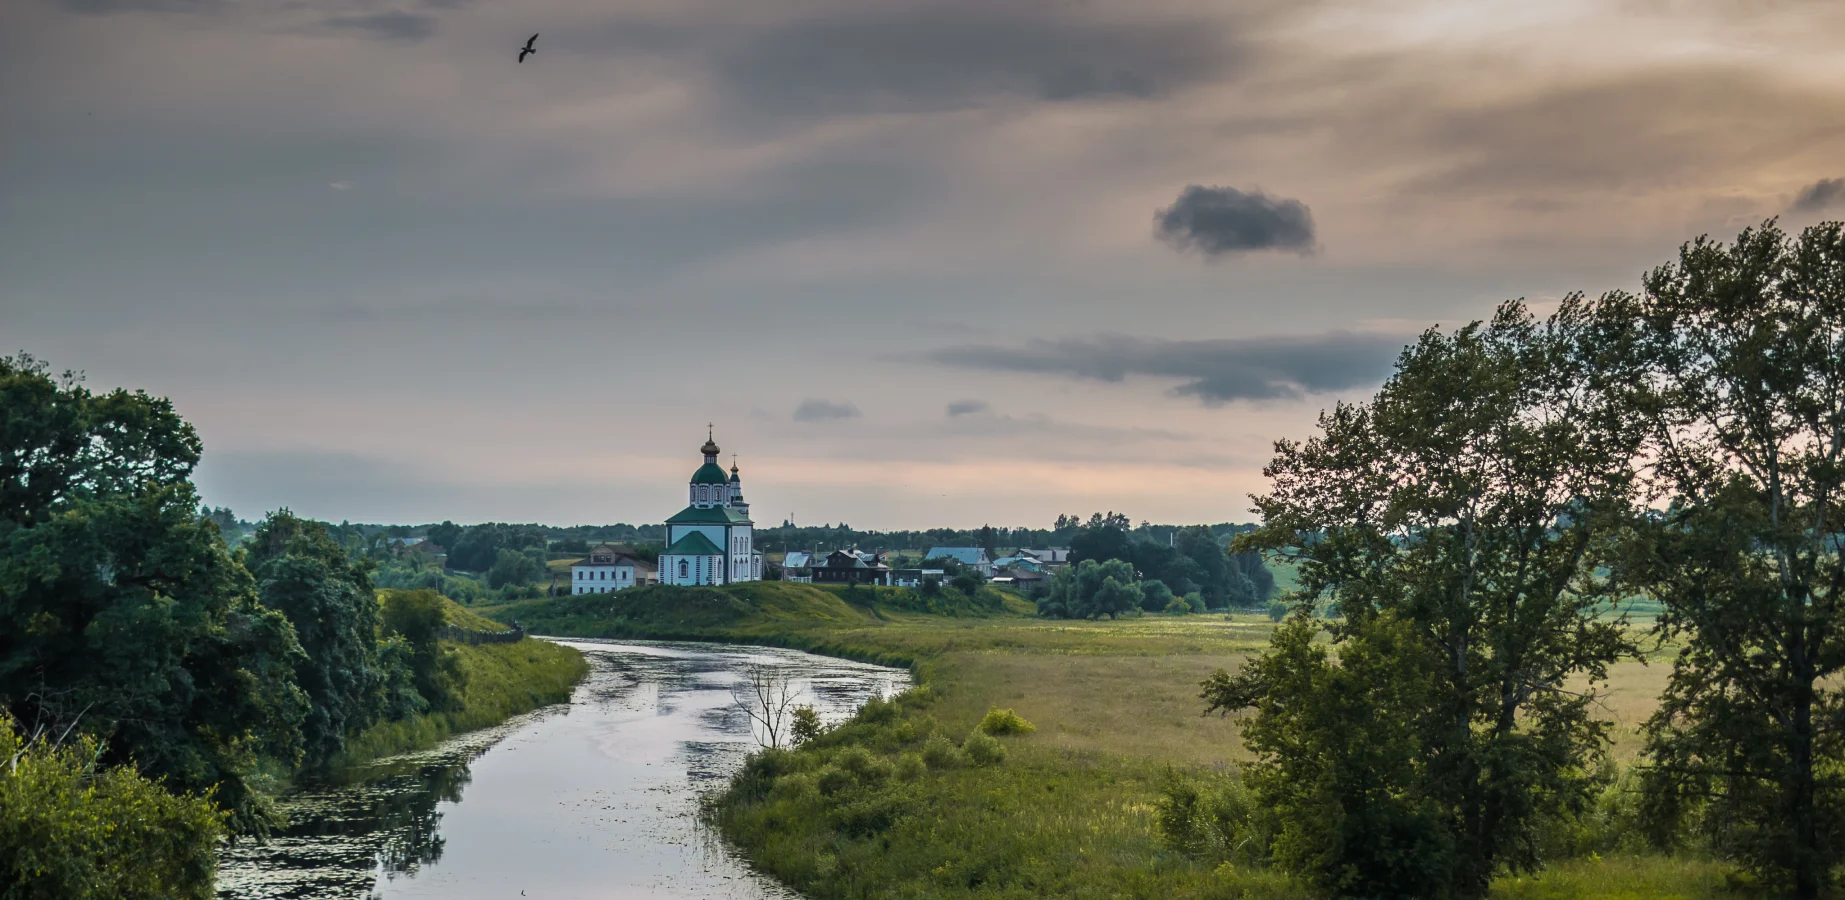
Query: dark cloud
(1216,221)
(390,26)
(1821,195)
(813,410)
(967,407)
(105,7)
(1214,371)
(936,56)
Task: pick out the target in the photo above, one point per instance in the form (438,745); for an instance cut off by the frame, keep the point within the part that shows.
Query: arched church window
(684,569)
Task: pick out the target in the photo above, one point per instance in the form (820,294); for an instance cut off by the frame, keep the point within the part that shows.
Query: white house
(712,541)
(606,569)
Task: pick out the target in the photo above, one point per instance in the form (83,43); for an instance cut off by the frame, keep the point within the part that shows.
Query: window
(684,569)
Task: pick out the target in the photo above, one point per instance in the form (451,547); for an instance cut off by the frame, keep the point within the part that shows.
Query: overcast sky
(923,262)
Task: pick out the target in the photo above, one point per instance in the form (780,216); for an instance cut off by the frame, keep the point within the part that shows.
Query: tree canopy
(1454,521)
(121,610)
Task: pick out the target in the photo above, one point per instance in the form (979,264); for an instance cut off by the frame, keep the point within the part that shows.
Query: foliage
(1456,521)
(513,567)
(478,548)
(304,575)
(71,829)
(435,670)
(1004,721)
(1736,356)
(1155,596)
(1214,819)
(806,725)
(121,611)
(1089,590)
(966,582)
(445,535)
(983,749)
(498,681)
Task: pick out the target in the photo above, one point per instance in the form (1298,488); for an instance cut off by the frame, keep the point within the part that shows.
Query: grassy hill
(824,619)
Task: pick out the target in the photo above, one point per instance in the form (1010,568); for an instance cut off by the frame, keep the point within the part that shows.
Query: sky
(921,263)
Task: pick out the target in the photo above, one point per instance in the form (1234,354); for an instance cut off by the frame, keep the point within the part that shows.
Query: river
(595,798)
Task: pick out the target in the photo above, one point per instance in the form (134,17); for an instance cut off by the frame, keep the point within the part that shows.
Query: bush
(70,830)
(910,766)
(864,769)
(1005,721)
(877,711)
(941,753)
(1155,596)
(1195,600)
(806,724)
(1178,607)
(1277,611)
(983,749)
(1214,820)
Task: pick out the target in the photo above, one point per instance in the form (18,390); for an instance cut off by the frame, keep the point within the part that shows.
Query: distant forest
(769,539)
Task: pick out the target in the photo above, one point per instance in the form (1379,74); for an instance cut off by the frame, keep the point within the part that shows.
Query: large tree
(121,610)
(1090,590)
(1737,358)
(302,573)
(1454,521)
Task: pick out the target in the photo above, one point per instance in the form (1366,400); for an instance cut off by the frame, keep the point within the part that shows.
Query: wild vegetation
(181,677)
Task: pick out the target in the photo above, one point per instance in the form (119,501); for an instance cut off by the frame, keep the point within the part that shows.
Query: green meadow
(912,799)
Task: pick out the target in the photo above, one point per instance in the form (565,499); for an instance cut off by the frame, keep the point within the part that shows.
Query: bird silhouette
(529,49)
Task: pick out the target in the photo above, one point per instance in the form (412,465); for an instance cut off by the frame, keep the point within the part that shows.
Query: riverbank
(500,681)
(869,810)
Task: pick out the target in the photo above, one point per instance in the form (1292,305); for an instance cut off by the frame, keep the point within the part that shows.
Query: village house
(607,568)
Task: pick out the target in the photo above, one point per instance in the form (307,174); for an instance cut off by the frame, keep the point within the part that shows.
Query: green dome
(710,473)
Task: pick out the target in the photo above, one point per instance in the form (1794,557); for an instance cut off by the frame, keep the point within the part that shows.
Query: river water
(596,798)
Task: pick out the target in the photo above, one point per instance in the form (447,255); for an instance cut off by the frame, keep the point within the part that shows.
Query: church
(711,541)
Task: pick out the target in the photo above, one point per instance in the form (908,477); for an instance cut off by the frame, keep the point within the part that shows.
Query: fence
(467,636)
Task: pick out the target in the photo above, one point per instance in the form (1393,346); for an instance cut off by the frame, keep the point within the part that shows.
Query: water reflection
(595,798)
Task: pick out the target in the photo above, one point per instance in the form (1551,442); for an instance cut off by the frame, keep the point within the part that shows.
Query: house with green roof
(712,540)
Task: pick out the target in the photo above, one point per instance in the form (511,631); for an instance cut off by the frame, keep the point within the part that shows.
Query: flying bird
(529,49)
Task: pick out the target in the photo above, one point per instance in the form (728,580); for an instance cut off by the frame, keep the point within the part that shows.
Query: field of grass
(1070,811)
(503,680)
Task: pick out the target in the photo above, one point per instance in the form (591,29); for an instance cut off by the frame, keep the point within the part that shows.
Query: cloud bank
(1213,371)
(1821,195)
(815,410)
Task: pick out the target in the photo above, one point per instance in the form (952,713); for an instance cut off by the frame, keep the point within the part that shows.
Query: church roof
(708,515)
(710,473)
(694,544)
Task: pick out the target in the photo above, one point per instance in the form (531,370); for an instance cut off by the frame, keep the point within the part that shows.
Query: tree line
(1481,526)
(140,652)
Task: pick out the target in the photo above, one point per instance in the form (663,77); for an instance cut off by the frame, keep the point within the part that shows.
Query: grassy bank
(502,680)
(901,803)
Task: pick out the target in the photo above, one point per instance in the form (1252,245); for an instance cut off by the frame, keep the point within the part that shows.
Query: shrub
(877,711)
(831,781)
(864,768)
(1005,721)
(910,767)
(983,749)
(1215,820)
(1195,600)
(70,830)
(806,724)
(1178,606)
(1277,611)
(941,753)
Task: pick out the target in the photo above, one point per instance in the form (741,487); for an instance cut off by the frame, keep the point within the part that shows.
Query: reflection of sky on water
(597,798)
